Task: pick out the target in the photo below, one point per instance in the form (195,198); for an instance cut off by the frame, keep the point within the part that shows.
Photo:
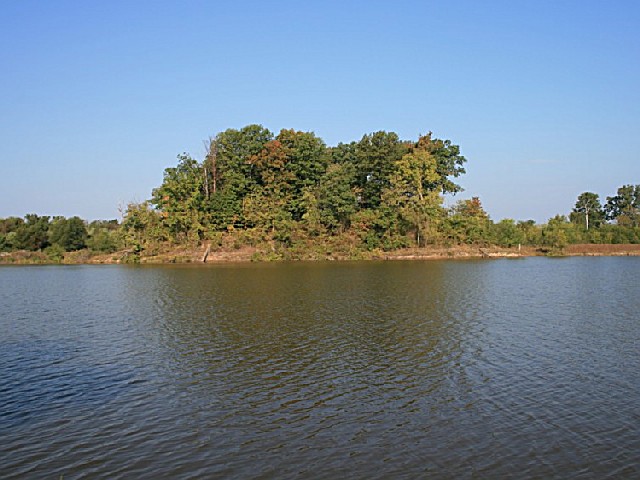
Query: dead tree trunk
(210,168)
(206,253)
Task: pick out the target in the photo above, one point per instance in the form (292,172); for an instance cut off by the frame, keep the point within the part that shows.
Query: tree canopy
(291,192)
(292,183)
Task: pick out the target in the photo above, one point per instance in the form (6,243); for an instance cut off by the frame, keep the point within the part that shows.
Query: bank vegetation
(260,196)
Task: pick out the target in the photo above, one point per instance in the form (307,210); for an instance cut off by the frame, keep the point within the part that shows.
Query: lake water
(523,368)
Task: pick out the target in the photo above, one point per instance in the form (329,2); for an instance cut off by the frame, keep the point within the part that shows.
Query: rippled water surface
(478,369)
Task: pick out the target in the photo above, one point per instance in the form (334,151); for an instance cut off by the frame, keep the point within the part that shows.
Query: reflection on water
(521,368)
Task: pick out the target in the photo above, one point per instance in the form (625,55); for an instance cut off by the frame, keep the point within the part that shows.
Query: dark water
(478,369)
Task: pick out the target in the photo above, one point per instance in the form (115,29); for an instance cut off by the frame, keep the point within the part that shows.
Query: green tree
(234,149)
(142,226)
(344,153)
(307,161)
(377,228)
(8,228)
(103,236)
(33,234)
(471,208)
(379,188)
(70,234)
(507,233)
(376,155)
(587,211)
(230,175)
(268,206)
(337,197)
(532,233)
(449,162)
(181,200)
(468,222)
(558,232)
(624,207)
(411,194)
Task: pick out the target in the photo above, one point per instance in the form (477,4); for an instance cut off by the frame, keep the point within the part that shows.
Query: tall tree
(588,210)
(34,233)
(337,197)
(306,162)
(625,206)
(468,222)
(449,162)
(470,208)
(507,233)
(234,150)
(556,232)
(210,168)
(180,198)
(230,174)
(376,155)
(142,226)
(410,193)
(269,199)
(8,231)
(70,234)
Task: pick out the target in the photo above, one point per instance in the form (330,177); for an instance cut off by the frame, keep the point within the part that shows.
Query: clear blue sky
(98,97)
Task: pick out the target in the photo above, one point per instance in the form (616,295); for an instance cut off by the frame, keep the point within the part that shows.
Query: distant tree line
(291,192)
(58,235)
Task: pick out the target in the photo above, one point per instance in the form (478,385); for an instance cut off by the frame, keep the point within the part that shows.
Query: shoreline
(182,255)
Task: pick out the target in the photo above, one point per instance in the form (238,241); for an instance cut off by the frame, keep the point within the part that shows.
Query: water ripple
(379,370)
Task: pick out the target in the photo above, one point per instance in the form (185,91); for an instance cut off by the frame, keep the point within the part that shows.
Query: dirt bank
(248,254)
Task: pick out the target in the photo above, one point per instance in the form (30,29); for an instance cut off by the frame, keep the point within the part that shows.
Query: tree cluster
(289,187)
(291,192)
(57,235)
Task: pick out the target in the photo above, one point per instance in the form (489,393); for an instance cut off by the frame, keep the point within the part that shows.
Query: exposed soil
(607,249)
(247,254)
(464,251)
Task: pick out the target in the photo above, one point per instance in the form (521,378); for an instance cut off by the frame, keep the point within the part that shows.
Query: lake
(525,368)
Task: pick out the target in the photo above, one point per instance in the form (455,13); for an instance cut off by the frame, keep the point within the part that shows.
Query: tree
(379,187)
(103,235)
(556,232)
(470,208)
(268,203)
(70,234)
(307,161)
(507,233)
(337,197)
(411,194)
(8,231)
(531,233)
(210,168)
(141,226)
(344,153)
(588,210)
(449,162)
(233,151)
(33,234)
(375,156)
(230,175)
(181,199)
(468,222)
(625,206)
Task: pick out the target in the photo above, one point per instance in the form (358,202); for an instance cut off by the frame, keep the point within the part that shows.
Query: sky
(98,98)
